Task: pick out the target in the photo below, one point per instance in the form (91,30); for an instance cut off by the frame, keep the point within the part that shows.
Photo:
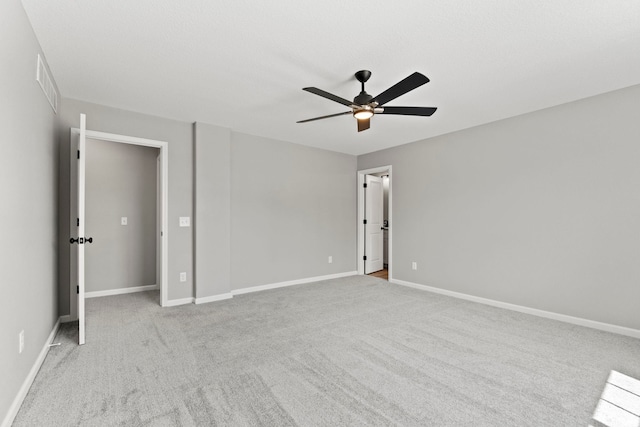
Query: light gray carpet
(352,351)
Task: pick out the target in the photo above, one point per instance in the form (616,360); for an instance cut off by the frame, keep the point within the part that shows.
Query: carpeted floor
(351,351)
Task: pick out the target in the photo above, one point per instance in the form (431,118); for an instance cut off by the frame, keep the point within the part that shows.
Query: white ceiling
(242,64)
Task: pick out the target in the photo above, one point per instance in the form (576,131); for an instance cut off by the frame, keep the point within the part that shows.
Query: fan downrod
(364,98)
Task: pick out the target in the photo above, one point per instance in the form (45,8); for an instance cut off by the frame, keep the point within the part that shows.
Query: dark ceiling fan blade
(325,117)
(328,95)
(409,111)
(363,124)
(410,83)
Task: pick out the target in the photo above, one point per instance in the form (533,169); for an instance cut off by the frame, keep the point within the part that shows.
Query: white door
(79,237)
(374,212)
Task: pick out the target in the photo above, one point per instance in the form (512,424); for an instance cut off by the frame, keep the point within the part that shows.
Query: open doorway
(109,179)
(374,222)
(120,215)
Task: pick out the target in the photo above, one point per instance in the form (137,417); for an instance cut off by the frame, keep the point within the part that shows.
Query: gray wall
(540,210)
(212,232)
(178,135)
(28,188)
(264,211)
(291,207)
(120,182)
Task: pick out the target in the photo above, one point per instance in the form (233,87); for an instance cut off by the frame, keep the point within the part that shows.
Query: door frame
(360,232)
(162,194)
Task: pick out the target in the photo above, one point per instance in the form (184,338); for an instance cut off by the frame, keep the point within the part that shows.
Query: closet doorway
(150,186)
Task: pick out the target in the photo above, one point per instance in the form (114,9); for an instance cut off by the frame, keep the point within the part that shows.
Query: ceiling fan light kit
(365,106)
(364,113)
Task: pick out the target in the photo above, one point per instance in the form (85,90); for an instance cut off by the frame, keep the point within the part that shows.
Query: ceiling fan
(365,106)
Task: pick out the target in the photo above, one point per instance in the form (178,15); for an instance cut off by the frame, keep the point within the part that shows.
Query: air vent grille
(42,76)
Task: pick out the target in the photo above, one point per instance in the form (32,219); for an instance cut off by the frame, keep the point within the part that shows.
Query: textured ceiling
(242,64)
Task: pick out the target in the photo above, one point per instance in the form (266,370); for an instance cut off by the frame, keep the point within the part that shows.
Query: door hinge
(77,222)
(78,153)
(364,185)
(364,221)
(77,289)
(364,258)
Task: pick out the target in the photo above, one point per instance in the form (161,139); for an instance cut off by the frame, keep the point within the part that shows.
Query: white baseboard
(292,283)
(228,295)
(121,291)
(181,301)
(26,385)
(213,298)
(616,329)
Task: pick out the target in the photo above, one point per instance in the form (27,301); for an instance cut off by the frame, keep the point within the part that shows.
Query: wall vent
(42,76)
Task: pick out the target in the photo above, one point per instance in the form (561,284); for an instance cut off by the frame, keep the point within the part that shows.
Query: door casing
(374,208)
(163,196)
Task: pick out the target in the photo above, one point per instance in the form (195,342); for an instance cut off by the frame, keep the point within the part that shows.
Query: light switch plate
(123,220)
(185,221)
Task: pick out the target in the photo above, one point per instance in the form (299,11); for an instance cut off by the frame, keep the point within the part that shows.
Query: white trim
(124,139)
(176,302)
(213,298)
(360,231)
(80,184)
(292,283)
(120,291)
(607,327)
(163,146)
(229,295)
(66,318)
(164,207)
(26,385)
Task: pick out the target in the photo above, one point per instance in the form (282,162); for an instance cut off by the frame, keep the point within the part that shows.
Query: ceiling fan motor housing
(363,99)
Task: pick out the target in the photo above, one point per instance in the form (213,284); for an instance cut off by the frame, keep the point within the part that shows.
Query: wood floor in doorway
(382,274)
